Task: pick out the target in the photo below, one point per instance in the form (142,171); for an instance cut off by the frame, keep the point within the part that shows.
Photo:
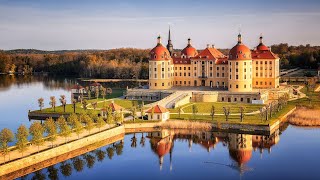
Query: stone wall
(60,150)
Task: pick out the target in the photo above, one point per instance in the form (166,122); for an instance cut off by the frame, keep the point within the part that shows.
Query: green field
(205,107)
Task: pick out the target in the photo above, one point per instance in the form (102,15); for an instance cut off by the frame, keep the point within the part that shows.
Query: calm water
(290,153)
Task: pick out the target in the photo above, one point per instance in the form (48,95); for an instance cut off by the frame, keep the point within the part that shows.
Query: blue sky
(97,24)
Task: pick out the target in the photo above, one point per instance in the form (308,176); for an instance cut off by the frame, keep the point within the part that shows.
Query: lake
(290,153)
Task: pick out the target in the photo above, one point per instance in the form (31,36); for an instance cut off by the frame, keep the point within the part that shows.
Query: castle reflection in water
(162,142)
(240,146)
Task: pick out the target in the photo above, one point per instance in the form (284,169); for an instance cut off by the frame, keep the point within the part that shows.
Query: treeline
(123,63)
(116,63)
(297,56)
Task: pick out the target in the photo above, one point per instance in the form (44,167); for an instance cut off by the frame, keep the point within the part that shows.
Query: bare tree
(41,104)
(226,111)
(241,110)
(63,102)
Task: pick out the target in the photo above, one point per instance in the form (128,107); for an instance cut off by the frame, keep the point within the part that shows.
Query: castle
(242,70)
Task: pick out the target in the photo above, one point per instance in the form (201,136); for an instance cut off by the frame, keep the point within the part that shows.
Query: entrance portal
(203,83)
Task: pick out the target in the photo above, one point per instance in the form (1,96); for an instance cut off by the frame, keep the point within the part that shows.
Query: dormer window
(237,56)
(240,52)
(155,56)
(244,55)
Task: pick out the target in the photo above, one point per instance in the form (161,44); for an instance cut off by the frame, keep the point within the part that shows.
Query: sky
(97,24)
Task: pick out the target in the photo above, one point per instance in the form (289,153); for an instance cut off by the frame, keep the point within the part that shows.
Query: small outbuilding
(158,113)
(78,89)
(114,107)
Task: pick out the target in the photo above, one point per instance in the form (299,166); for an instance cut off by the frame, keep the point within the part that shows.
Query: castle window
(265,62)
(245,70)
(237,70)
(210,68)
(189,82)
(230,63)
(270,62)
(241,99)
(210,74)
(230,69)
(195,62)
(155,69)
(155,84)
(162,76)
(175,74)
(180,68)
(180,82)
(155,75)
(245,86)
(162,69)
(185,82)
(189,74)
(256,74)
(185,74)
(188,68)
(230,76)
(245,63)
(237,86)
(256,82)
(180,74)
(210,62)
(176,82)
(185,68)
(217,74)
(162,84)
(195,68)
(257,62)
(222,99)
(260,82)
(175,68)
(235,99)
(257,68)
(261,62)
(245,76)
(222,74)
(230,86)
(155,56)
(217,68)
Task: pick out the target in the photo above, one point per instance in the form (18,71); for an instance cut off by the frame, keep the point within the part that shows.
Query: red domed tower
(189,51)
(240,68)
(160,67)
(261,46)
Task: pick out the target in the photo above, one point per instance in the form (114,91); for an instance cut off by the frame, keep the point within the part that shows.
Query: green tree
(109,115)
(84,104)
(64,128)
(89,125)
(53,103)
(194,111)
(63,102)
(36,131)
(78,127)
(71,120)
(100,122)
(22,138)
(213,111)
(51,130)
(6,136)
(133,113)
(41,104)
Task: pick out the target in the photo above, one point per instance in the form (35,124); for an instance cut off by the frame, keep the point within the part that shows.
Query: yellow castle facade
(240,71)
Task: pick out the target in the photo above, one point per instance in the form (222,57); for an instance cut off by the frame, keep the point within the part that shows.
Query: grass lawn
(127,104)
(205,107)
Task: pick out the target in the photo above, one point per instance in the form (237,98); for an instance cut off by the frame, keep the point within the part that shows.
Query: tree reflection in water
(142,140)
(66,169)
(134,141)
(110,152)
(240,147)
(38,175)
(100,155)
(52,173)
(90,160)
(78,164)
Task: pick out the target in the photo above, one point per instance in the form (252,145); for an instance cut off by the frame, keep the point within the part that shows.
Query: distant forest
(123,63)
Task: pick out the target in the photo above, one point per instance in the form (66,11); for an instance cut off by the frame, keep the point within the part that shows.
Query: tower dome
(189,51)
(159,52)
(261,46)
(240,51)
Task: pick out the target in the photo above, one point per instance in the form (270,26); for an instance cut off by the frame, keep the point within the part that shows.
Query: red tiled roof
(222,61)
(77,87)
(158,109)
(240,52)
(189,51)
(159,53)
(115,107)
(95,84)
(263,54)
(210,53)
